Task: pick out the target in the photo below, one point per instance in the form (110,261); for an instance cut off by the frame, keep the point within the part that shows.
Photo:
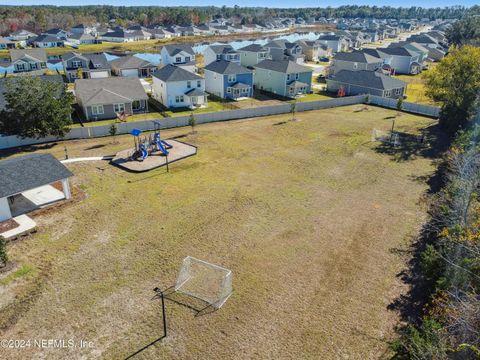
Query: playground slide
(144,151)
(161,147)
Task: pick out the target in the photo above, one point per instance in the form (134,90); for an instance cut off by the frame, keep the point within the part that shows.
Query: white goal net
(386,137)
(202,280)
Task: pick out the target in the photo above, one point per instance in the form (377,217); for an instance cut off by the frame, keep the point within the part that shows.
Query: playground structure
(151,151)
(149,145)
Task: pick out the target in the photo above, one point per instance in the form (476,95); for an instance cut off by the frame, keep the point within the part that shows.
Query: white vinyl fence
(172,122)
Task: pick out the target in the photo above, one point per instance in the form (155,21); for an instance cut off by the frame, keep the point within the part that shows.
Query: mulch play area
(156,159)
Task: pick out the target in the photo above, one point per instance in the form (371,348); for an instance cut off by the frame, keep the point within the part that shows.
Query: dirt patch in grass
(7,225)
(306,215)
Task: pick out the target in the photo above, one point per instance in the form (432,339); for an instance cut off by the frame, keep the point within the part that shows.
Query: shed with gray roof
(23,173)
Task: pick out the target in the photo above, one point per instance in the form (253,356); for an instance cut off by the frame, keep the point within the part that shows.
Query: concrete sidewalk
(25,225)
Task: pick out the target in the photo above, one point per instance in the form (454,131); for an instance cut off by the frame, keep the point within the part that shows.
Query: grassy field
(416,88)
(310,216)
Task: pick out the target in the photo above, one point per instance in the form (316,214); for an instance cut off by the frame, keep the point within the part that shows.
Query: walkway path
(91,158)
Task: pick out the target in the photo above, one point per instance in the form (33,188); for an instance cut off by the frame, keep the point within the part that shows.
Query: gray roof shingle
(175,73)
(130,62)
(283,66)
(174,49)
(227,67)
(253,48)
(28,172)
(37,54)
(109,90)
(370,79)
(357,56)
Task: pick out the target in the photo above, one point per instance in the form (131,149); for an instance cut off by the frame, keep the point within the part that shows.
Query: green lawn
(315,96)
(313,219)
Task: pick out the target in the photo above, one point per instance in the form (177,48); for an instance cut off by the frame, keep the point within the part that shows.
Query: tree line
(40,18)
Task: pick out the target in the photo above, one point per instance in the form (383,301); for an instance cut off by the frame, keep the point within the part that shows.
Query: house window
(388,93)
(297,76)
(97,109)
(76,64)
(199,83)
(20,67)
(189,84)
(194,99)
(187,58)
(136,105)
(178,59)
(288,77)
(179,99)
(229,90)
(119,108)
(219,56)
(232,78)
(355,65)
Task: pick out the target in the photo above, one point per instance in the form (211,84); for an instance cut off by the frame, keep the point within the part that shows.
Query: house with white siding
(175,87)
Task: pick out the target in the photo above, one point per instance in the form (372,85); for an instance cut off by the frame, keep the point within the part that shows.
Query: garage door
(130,72)
(98,74)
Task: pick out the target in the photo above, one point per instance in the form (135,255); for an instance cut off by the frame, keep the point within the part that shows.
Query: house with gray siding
(401,60)
(366,82)
(131,65)
(284,78)
(220,52)
(111,97)
(25,60)
(85,66)
(284,50)
(355,61)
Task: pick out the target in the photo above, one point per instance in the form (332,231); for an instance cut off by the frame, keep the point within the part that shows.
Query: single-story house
(81,38)
(56,32)
(46,41)
(131,65)
(228,80)
(173,86)
(106,98)
(85,66)
(7,44)
(21,35)
(284,78)
(366,82)
(24,60)
(22,175)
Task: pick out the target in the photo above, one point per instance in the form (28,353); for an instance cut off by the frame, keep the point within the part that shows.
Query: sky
(267,3)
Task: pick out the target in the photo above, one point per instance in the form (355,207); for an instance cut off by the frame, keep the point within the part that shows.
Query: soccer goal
(202,280)
(386,137)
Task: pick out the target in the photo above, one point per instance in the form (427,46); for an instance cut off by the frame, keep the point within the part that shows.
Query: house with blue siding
(284,78)
(228,80)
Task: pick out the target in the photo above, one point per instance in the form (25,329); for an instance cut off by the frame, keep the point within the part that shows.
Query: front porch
(239,90)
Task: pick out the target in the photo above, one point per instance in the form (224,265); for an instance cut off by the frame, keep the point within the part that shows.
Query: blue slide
(144,151)
(161,145)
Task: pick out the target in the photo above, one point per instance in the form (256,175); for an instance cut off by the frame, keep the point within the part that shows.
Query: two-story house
(335,42)
(284,50)
(175,87)
(181,55)
(284,78)
(220,52)
(252,54)
(401,60)
(228,80)
(355,61)
(85,66)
